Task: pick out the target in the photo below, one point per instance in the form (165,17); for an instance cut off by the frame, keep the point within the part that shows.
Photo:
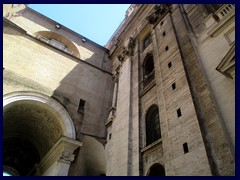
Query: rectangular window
(166,48)
(147,40)
(169,64)
(173,86)
(179,114)
(185,148)
(81,106)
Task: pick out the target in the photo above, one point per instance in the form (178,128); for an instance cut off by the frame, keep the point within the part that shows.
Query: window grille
(153,131)
(147,41)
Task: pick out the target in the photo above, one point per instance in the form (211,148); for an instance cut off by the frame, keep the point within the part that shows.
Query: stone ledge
(151,145)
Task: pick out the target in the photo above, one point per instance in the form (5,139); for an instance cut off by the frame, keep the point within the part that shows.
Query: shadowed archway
(156,170)
(32,124)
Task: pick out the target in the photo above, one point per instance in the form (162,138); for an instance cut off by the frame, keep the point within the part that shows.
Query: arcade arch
(38,131)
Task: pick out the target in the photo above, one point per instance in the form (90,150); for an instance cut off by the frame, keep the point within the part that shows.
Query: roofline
(66,28)
(8,22)
(120,30)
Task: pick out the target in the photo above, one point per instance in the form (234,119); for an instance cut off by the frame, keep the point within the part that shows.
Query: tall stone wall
(174,39)
(31,65)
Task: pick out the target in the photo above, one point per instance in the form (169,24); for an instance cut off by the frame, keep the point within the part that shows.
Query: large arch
(34,125)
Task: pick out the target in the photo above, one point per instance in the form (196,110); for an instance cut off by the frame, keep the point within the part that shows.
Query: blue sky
(96,22)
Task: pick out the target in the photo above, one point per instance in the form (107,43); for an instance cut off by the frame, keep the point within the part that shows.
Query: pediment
(227,64)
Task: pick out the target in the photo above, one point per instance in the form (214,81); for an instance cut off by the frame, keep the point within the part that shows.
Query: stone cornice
(62,151)
(159,12)
(227,64)
(63,27)
(121,29)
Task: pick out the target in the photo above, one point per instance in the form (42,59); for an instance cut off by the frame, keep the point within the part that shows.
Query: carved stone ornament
(116,76)
(122,55)
(131,45)
(159,11)
(66,156)
(127,51)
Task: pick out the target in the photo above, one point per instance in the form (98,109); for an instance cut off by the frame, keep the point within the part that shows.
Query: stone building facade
(158,99)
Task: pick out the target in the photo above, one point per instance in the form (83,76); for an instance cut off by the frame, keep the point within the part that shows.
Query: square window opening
(81,106)
(179,113)
(147,40)
(173,86)
(169,64)
(166,48)
(185,148)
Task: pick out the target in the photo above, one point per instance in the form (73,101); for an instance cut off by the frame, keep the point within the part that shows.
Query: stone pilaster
(57,161)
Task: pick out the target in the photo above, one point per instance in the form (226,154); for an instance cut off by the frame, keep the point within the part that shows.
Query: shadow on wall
(89,51)
(49,71)
(93,86)
(67,79)
(91,158)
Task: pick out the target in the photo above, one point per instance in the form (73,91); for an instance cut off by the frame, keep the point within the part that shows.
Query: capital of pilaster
(127,50)
(66,157)
(158,12)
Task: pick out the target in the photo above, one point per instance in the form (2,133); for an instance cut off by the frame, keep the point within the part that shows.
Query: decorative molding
(131,45)
(116,75)
(218,21)
(227,64)
(62,152)
(128,50)
(155,143)
(66,157)
(159,11)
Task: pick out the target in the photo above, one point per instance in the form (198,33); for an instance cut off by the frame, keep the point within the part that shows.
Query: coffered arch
(33,123)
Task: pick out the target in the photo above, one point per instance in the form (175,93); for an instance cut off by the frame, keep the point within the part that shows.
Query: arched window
(148,69)
(156,170)
(58,41)
(153,132)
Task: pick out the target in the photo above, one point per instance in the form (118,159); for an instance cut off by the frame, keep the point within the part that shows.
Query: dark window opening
(166,48)
(156,170)
(185,148)
(110,136)
(164,33)
(149,66)
(147,40)
(153,131)
(81,106)
(169,64)
(173,86)
(161,23)
(148,70)
(179,112)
